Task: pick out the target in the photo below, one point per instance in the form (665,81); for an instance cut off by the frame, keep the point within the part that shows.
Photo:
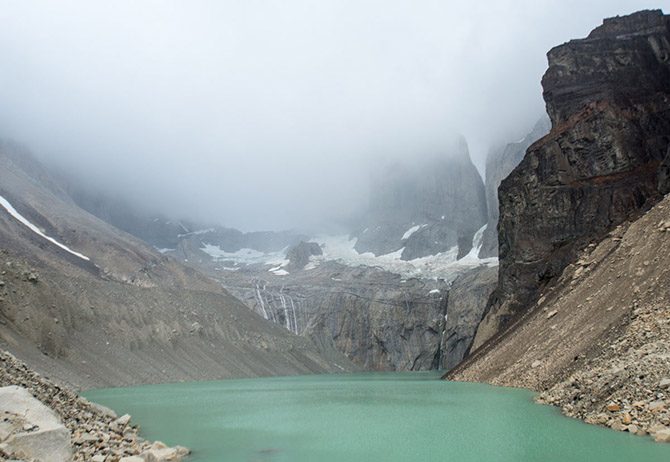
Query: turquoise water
(367,417)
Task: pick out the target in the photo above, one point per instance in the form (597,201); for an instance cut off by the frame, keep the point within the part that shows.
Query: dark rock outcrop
(298,255)
(499,163)
(442,196)
(604,162)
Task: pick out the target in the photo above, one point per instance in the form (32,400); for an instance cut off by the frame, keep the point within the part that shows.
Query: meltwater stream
(366,418)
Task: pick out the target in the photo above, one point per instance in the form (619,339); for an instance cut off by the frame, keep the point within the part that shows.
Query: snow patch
(434,291)
(473,256)
(12,211)
(443,265)
(411,231)
(246,256)
(278,271)
(196,233)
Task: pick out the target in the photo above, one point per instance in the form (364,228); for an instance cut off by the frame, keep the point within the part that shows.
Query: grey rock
(298,255)
(123,420)
(48,440)
(467,300)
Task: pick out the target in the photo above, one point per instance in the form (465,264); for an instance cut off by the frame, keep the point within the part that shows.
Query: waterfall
(295,321)
(260,301)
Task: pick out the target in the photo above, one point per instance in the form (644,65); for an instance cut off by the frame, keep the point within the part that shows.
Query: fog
(271,114)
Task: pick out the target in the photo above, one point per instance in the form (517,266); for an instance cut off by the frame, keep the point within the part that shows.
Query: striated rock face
(605,160)
(377,319)
(499,164)
(441,199)
(467,301)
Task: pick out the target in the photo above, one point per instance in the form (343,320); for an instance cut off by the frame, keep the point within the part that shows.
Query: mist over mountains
(270,117)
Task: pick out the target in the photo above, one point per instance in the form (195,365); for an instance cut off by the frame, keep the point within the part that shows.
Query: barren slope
(129,315)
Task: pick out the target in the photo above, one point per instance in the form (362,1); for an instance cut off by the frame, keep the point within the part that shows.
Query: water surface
(365,418)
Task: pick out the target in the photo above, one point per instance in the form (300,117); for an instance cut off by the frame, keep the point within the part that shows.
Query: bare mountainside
(90,305)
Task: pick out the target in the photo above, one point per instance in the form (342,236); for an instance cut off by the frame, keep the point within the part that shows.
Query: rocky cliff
(582,312)
(429,206)
(499,164)
(376,318)
(604,161)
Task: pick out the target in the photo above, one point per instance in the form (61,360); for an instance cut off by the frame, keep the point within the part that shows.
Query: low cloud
(271,114)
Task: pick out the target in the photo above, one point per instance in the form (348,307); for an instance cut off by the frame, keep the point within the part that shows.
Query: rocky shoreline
(97,433)
(627,386)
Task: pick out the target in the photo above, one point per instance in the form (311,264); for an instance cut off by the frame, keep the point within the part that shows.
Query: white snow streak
(12,211)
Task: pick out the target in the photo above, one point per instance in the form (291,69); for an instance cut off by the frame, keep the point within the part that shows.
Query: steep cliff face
(377,319)
(499,164)
(425,208)
(604,161)
(468,296)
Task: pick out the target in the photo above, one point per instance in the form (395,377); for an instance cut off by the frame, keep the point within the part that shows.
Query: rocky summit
(422,208)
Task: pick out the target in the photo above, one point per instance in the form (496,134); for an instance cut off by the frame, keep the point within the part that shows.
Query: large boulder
(30,430)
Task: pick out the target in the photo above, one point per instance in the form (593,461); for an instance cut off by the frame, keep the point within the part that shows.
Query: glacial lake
(384,417)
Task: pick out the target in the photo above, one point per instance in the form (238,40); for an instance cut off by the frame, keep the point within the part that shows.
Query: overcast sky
(269,114)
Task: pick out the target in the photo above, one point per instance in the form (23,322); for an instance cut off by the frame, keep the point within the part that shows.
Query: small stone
(551,314)
(656,406)
(618,426)
(626,419)
(98,458)
(536,363)
(613,407)
(665,383)
(123,420)
(662,436)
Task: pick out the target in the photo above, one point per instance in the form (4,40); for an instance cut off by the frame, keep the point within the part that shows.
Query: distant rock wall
(499,164)
(378,320)
(442,196)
